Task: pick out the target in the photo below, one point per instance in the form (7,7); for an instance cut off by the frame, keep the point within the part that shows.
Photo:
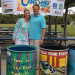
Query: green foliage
(47,19)
(11,19)
(60,19)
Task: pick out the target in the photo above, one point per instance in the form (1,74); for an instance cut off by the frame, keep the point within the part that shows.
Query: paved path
(3,67)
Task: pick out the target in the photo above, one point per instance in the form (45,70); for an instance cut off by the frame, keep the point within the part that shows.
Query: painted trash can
(21,60)
(0,60)
(53,59)
(71,60)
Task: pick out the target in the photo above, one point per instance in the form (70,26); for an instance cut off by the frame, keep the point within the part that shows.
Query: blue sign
(55,5)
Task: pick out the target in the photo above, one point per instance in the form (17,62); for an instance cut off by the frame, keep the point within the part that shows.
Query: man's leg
(38,54)
(32,42)
(36,44)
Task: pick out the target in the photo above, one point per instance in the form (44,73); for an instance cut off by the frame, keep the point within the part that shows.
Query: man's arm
(43,34)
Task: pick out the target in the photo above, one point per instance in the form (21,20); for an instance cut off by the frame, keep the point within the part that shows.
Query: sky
(72,8)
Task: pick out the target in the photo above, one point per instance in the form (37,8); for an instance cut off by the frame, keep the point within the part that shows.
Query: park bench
(6,30)
(49,29)
(5,37)
(60,39)
(6,34)
(53,33)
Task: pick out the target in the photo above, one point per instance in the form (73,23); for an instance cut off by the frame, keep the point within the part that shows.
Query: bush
(11,19)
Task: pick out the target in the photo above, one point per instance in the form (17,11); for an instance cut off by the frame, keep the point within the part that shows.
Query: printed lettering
(44,2)
(24,3)
(52,53)
(43,52)
(35,2)
(63,53)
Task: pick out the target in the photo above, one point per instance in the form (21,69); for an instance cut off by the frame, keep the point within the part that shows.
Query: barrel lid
(52,46)
(21,48)
(71,46)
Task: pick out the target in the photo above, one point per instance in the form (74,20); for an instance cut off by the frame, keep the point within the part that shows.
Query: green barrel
(21,60)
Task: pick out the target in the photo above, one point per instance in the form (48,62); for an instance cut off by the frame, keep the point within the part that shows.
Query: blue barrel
(21,60)
(0,60)
(71,60)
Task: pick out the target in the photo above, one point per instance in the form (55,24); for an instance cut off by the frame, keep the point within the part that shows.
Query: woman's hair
(25,11)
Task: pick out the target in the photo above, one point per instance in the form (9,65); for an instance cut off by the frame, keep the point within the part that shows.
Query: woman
(20,35)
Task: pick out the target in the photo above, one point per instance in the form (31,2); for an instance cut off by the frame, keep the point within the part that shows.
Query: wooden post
(56,27)
(49,23)
(65,28)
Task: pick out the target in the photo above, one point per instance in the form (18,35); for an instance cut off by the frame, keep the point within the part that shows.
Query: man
(37,30)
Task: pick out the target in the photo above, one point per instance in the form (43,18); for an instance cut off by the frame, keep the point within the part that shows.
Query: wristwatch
(42,38)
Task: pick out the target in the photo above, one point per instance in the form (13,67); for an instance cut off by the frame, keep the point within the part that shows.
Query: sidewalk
(3,63)
(3,67)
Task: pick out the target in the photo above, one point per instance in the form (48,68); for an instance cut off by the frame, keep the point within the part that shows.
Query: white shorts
(20,42)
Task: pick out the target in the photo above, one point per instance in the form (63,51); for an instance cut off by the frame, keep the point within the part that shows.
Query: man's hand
(41,42)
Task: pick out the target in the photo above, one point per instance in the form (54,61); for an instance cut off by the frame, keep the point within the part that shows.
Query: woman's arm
(16,29)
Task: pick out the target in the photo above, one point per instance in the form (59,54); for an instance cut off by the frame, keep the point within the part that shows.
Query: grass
(70,30)
(7,25)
